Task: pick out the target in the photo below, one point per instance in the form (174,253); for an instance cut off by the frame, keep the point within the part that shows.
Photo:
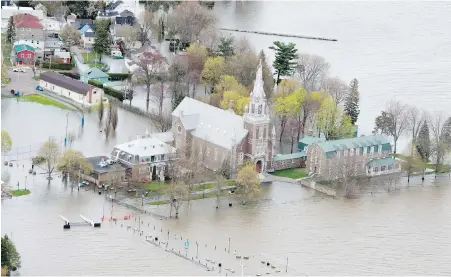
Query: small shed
(308,140)
(94,74)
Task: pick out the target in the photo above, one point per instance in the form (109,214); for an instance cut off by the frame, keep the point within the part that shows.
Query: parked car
(19,69)
(39,88)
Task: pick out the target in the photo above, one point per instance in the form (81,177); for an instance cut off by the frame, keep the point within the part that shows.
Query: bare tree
(163,122)
(70,35)
(220,183)
(394,121)
(160,92)
(49,153)
(312,71)
(337,89)
(131,35)
(242,45)
(416,118)
(71,137)
(188,20)
(441,146)
(150,64)
(177,191)
(146,28)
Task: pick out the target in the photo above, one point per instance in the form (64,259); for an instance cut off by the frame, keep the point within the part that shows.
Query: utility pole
(229,246)
(286,268)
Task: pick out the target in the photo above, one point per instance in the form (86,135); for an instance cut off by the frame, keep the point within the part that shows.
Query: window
(253,108)
(29,55)
(216,154)
(208,152)
(351,152)
(338,153)
(376,169)
(376,149)
(259,109)
(22,55)
(345,153)
(179,129)
(383,168)
(240,158)
(32,41)
(368,150)
(22,29)
(389,167)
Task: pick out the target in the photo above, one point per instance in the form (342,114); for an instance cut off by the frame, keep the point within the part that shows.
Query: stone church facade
(220,137)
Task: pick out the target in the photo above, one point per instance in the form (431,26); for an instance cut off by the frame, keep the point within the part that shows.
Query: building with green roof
(94,74)
(24,54)
(308,140)
(357,156)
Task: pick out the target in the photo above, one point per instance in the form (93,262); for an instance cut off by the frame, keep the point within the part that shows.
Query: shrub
(118,76)
(114,93)
(95,83)
(58,65)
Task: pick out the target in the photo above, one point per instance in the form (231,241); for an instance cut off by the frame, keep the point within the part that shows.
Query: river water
(405,232)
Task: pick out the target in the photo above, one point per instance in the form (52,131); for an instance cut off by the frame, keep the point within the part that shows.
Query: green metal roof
(381,162)
(22,47)
(310,140)
(282,157)
(93,73)
(341,144)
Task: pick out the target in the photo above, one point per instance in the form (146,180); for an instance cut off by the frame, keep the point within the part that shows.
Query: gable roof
(220,127)
(146,147)
(65,82)
(340,144)
(126,13)
(84,21)
(62,54)
(283,157)
(95,73)
(22,47)
(310,140)
(113,5)
(85,28)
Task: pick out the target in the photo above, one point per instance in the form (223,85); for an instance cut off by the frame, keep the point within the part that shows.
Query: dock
(277,34)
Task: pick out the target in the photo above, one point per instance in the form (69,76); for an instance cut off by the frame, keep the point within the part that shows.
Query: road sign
(186,244)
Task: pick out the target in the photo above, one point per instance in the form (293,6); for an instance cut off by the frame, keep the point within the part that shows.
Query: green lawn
(293,173)
(19,192)
(89,58)
(156,187)
(37,98)
(160,202)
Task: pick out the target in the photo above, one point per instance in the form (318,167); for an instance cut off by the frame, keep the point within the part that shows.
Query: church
(221,137)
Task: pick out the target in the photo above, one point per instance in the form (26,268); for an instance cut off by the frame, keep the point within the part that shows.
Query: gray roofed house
(103,172)
(65,82)
(76,90)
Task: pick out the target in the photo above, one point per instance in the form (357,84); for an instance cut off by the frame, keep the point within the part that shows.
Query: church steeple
(257,103)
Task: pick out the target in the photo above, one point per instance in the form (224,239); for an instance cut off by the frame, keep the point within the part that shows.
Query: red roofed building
(29,29)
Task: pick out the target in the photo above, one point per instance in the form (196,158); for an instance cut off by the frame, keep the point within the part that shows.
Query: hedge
(95,83)
(110,91)
(119,76)
(114,93)
(58,65)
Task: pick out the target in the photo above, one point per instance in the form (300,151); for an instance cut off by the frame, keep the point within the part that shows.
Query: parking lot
(21,81)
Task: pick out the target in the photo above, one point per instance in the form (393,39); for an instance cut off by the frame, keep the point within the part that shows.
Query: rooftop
(101,167)
(310,140)
(145,147)
(27,21)
(381,162)
(95,73)
(341,144)
(282,157)
(210,123)
(65,82)
(85,28)
(23,47)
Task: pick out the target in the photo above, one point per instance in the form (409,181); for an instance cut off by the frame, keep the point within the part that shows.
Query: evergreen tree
(423,144)
(352,101)
(10,256)
(102,40)
(11,31)
(285,54)
(226,47)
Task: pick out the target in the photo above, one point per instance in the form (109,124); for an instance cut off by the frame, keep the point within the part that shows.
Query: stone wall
(289,163)
(318,187)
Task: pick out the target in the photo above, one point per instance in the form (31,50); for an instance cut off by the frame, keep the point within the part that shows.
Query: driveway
(116,66)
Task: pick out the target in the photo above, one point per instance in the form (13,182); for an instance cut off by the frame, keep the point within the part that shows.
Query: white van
(116,53)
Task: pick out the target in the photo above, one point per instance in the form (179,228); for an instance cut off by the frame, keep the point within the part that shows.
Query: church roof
(210,123)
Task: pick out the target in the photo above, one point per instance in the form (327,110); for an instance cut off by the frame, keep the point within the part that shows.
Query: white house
(52,25)
(8,11)
(71,88)
(147,157)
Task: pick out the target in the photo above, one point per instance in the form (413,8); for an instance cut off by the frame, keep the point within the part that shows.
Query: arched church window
(259,109)
(253,108)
